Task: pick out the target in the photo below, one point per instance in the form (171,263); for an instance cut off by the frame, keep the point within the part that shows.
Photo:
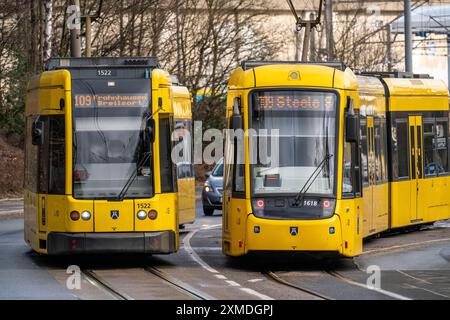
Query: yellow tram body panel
(186,179)
(418,198)
(373,112)
(48,228)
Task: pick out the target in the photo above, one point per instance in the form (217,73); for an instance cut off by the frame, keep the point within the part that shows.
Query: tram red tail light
(152,214)
(75,215)
(260,203)
(326,204)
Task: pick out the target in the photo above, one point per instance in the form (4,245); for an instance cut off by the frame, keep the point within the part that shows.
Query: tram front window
(306,124)
(109,142)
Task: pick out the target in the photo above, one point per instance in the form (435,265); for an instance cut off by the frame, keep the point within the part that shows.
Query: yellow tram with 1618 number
(353,156)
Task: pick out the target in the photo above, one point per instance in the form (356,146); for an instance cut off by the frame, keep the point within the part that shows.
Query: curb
(11,199)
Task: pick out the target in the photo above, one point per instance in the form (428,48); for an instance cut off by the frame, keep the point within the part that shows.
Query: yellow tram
(98,171)
(353,156)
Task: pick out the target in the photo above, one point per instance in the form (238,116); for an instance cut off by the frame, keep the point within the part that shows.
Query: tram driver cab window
(351,171)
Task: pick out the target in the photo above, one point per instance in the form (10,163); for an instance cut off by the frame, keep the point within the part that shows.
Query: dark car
(212,190)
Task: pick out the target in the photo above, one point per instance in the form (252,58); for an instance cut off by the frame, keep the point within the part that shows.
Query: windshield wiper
(132,177)
(299,198)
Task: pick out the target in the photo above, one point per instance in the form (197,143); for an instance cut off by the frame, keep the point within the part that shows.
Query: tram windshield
(306,125)
(109,143)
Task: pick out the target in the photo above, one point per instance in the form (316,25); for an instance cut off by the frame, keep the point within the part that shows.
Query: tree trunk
(48,14)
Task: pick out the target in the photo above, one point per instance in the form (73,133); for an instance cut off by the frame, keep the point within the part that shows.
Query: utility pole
(87,22)
(75,41)
(408,36)
(312,52)
(308,25)
(329,29)
(306,41)
(297,45)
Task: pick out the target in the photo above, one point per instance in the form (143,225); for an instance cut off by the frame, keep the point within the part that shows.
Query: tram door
(416,165)
(369,191)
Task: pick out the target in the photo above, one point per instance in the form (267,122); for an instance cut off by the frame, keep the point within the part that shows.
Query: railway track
(184,287)
(337,276)
(103,285)
(109,288)
(273,276)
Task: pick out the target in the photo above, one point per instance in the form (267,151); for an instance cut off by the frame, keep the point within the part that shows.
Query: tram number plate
(106,72)
(143,205)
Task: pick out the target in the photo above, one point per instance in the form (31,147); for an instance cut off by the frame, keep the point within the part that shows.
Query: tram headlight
(86,215)
(75,215)
(152,214)
(141,215)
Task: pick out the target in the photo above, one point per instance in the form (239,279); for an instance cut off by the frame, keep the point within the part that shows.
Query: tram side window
(365,172)
(384,150)
(435,138)
(239,164)
(378,167)
(347,178)
(440,145)
(183,135)
(351,177)
(401,153)
(57,155)
(43,177)
(165,146)
(428,137)
(31,160)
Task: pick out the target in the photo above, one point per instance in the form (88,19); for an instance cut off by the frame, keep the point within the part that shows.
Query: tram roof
(258,74)
(116,62)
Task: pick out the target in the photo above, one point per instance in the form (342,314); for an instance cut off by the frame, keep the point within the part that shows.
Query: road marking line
(412,277)
(204,265)
(382,291)
(430,291)
(11,212)
(193,254)
(255,280)
(11,199)
(232,283)
(220,276)
(256,293)
(405,246)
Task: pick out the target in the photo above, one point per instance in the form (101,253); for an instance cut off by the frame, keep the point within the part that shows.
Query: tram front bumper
(294,235)
(130,242)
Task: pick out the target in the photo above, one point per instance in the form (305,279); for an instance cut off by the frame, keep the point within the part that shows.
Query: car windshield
(108,138)
(218,169)
(306,124)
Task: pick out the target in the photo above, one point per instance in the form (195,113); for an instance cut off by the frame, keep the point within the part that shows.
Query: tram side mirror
(150,130)
(37,133)
(351,128)
(236,122)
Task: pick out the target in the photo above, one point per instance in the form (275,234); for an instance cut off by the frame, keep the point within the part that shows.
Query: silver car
(212,190)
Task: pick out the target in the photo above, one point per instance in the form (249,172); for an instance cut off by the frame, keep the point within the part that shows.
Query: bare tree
(48,6)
